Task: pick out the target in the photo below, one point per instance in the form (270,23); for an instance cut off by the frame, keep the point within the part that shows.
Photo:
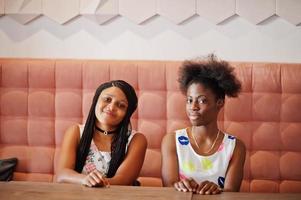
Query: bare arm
(130,168)
(235,170)
(170,169)
(66,172)
(127,172)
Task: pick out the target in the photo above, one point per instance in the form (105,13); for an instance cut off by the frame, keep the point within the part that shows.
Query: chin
(105,122)
(197,123)
(194,123)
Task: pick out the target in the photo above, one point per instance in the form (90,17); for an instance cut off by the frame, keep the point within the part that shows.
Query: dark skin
(202,109)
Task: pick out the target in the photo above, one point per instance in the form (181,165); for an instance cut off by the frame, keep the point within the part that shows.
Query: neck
(208,131)
(205,136)
(104,131)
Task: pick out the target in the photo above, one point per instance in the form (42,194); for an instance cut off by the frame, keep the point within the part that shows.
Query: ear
(220,103)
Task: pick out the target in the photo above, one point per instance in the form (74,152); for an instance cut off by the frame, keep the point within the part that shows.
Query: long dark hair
(119,140)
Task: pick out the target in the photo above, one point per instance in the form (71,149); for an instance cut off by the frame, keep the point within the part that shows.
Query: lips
(194,116)
(108,113)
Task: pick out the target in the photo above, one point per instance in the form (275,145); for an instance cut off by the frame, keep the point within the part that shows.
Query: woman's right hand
(190,185)
(95,179)
(208,187)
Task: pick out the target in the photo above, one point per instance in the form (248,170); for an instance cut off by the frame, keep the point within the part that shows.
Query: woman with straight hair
(105,150)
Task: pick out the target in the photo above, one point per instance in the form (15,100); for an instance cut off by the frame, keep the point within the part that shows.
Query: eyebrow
(199,96)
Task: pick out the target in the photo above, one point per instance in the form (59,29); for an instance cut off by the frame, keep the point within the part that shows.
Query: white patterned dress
(212,168)
(96,159)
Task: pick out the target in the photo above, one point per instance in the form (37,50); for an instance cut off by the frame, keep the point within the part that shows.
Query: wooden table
(249,196)
(58,191)
(48,191)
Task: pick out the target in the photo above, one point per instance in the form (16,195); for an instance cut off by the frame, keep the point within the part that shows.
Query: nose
(194,105)
(111,106)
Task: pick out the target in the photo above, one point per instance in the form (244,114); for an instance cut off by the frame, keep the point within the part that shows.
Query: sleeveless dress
(96,159)
(212,168)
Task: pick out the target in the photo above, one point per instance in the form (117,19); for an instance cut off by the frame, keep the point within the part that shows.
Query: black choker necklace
(104,132)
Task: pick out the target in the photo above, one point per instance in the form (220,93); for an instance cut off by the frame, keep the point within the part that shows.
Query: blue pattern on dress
(221,182)
(231,137)
(183,140)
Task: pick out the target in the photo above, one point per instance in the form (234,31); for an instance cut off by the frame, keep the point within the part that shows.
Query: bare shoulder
(73,128)
(239,153)
(169,140)
(138,139)
(240,147)
(72,133)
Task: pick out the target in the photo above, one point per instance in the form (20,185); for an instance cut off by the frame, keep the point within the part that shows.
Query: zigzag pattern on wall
(139,11)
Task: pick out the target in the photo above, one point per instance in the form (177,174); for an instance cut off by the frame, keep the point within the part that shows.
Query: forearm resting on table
(69,176)
(120,180)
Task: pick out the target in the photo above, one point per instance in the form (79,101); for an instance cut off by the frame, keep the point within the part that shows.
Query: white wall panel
(61,11)
(138,11)
(99,11)
(1,7)
(256,11)
(177,10)
(23,11)
(216,11)
(290,10)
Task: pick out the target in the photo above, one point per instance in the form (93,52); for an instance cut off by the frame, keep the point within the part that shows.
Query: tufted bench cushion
(41,98)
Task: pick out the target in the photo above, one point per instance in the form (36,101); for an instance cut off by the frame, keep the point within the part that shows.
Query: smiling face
(202,107)
(111,108)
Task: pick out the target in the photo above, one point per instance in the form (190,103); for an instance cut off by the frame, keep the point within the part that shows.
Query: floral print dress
(96,159)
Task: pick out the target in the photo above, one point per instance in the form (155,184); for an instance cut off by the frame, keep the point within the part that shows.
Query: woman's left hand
(207,187)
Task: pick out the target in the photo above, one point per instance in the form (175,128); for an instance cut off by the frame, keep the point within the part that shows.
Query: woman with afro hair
(202,158)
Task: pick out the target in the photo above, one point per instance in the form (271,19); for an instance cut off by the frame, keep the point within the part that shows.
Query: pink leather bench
(41,98)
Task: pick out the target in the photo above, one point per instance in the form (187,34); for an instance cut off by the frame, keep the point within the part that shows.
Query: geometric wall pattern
(139,11)
(61,11)
(98,10)
(1,7)
(23,11)
(264,9)
(176,11)
(216,11)
(289,10)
